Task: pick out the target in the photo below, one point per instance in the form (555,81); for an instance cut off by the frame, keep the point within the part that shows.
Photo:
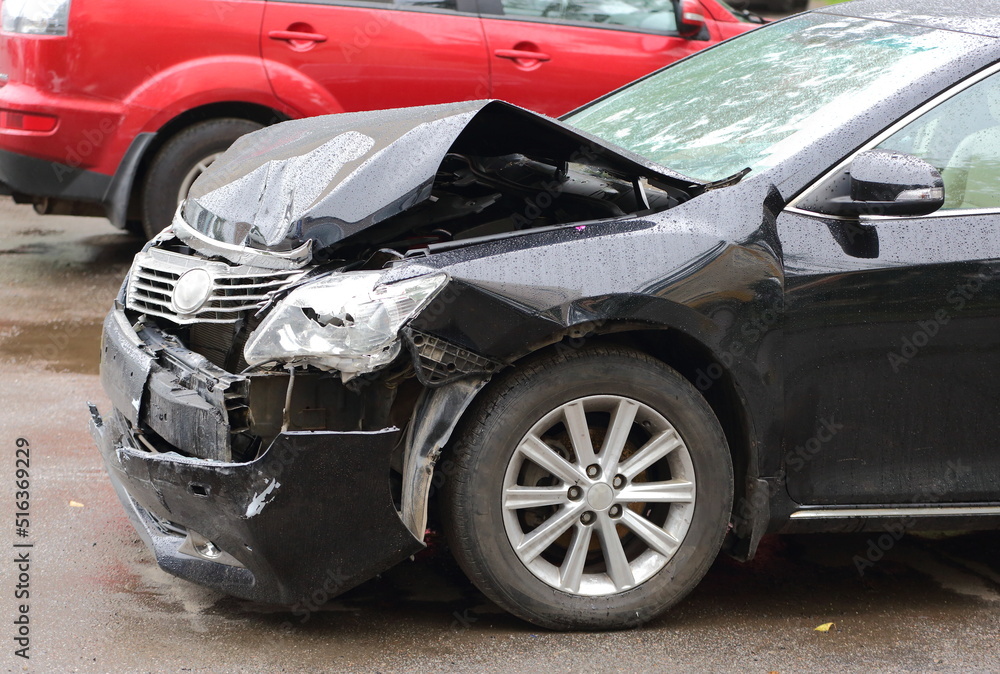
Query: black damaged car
(757,291)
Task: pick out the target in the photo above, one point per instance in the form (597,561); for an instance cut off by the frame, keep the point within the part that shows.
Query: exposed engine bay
(477,196)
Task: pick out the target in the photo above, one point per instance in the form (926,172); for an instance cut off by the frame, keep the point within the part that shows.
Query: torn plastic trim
(266,495)
(299,542)
(126,362)
(434,419)
(438,362)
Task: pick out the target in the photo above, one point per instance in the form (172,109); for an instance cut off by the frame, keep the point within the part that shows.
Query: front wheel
(592,491)
(179,163)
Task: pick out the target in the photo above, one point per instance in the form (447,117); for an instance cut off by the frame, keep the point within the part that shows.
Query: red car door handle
(516,54)
(296,35)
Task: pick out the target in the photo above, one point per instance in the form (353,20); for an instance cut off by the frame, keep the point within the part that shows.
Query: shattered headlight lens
(345,321)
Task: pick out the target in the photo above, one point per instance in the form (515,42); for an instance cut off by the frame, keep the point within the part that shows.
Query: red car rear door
(555,55)
(326,56)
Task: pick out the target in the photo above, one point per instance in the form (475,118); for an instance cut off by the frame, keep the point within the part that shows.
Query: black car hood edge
(327,179)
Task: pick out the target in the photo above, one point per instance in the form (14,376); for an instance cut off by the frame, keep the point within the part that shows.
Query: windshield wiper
(725,182)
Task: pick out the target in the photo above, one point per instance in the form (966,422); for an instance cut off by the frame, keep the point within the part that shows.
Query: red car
(114,107)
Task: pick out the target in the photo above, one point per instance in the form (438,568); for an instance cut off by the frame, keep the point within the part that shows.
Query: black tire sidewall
(478,499)
(176,158)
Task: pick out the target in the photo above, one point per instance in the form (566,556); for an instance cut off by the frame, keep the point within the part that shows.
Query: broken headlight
(345,321)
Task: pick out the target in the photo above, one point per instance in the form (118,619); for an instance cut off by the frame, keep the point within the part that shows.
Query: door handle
(522,55)
(296,35)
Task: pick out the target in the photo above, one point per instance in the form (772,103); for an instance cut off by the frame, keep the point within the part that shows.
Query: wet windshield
(756,100)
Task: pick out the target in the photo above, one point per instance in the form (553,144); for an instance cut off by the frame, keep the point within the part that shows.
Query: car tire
(578,581)
(179,162)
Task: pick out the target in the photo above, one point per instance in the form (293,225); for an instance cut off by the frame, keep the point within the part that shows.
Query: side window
(652,15)
(961,138)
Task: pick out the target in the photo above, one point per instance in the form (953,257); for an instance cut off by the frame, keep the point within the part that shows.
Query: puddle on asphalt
(61,346)
(37,231)
(99,250)
(26,249)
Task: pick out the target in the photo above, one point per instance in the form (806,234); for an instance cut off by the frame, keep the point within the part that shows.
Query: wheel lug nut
(587,517)
(593,470)
(615,511)
(618,482)
(575,493)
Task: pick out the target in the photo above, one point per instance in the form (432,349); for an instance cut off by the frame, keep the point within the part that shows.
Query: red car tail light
(26,121)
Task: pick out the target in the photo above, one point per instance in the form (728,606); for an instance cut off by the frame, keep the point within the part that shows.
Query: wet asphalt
(98,603)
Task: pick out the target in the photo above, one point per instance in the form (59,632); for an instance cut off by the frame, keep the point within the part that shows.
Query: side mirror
(690,19)
(884,182)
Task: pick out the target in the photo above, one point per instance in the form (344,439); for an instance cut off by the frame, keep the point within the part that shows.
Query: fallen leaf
(74,504)
(825,627)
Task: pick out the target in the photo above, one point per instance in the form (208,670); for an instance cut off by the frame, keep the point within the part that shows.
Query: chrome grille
(235,291)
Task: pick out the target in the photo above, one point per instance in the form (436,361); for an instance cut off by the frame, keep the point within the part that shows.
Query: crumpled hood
(326,179)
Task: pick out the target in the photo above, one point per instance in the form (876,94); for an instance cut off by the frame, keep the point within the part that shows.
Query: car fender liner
(437,413)
(309,519)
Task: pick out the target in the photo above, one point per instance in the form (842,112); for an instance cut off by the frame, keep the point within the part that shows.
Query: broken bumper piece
(312,516)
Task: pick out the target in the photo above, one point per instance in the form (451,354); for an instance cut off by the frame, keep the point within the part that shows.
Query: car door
(892,329)
(552,56)
(326,56)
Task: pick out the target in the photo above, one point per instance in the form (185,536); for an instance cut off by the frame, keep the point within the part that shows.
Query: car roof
(978,17)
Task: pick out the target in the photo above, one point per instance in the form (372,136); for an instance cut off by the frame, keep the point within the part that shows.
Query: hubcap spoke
(655,537)
(621,425)
(546,534)
(193,174)
(654,450)
(579,433)
(572,568)
(671,491)
(543,455)
(533,497)
(614,554)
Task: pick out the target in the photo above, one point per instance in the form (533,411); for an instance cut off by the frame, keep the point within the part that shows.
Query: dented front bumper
(312,515)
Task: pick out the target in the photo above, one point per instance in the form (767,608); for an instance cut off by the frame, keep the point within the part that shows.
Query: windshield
(758,99)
